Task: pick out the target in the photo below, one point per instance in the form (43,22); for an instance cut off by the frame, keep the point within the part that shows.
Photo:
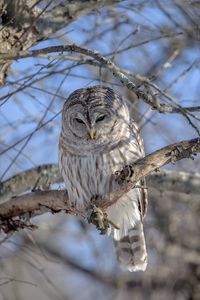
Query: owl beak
(91,134)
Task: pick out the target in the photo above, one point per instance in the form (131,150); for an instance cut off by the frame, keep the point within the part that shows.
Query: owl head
(94,117)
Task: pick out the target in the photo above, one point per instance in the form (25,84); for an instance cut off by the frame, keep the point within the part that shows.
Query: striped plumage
(88,164)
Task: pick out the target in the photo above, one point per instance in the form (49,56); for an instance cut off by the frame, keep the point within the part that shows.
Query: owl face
(94,117)
(90,124)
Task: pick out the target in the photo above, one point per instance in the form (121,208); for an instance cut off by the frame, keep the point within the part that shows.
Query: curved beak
(91,134)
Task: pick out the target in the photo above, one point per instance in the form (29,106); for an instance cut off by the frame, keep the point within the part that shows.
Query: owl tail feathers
(131,249)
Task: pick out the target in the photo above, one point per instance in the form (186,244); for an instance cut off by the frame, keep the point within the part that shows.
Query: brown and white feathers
(96,140)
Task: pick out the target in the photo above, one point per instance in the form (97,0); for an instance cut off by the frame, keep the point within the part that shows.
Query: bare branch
(44,175)
(37,178)
(130,175)
(34,203)
(126,179)
(65,13)
(69,262)
(179,182)
(121,74)
(117,280)
(23,24)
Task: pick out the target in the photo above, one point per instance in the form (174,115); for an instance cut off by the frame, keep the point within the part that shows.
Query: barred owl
(97,139)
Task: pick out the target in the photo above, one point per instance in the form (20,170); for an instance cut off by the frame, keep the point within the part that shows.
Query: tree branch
(35,203)
(99,60)
(40,177)
(179,182)
(65,13)
(126,179)
(45,175)
(23,23)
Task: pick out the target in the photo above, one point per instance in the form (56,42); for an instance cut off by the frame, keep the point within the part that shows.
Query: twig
(119,73)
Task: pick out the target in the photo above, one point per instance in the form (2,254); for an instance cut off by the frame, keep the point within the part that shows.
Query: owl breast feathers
(96,140)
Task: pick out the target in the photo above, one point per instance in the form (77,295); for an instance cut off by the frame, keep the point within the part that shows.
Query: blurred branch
(126,179)
(120,279)
(188,255)
(39,177)
(51,248)
(68,11)
(180,182)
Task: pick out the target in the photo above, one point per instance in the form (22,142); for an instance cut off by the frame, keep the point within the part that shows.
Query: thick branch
(34,203)
(126,179)
(41,176)
(130,175)
(16,213)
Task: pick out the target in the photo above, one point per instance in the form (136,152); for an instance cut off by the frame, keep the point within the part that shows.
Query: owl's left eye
(101,118)
(79,121)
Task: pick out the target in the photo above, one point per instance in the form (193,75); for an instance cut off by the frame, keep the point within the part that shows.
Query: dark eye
(101,118)
(79,121)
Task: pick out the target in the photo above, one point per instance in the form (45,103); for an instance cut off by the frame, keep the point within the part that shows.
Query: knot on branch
(161,107)
(125,174)
(185,151)
(14,224)
(196,146)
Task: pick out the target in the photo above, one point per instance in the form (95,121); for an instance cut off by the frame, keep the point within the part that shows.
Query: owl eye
(101,118)
(79,121)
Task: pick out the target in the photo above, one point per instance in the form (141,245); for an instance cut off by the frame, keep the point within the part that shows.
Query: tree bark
(23,23)
(126,179)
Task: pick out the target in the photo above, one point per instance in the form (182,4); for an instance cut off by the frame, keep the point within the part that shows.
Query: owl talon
(98,218)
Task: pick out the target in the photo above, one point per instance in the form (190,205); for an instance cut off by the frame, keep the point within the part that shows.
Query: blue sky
(21,112)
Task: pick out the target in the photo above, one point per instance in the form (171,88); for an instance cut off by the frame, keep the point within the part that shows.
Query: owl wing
(143,201)
(128,213)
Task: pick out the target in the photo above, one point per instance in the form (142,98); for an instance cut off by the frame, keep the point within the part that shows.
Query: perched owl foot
(98,218)
(42,184)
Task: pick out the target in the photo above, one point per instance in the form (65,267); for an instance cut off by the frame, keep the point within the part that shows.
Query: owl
(97,139)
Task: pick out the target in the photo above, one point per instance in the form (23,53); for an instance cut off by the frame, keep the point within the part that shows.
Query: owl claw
(98,218)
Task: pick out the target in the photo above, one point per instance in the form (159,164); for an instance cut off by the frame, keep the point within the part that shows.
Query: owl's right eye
(79,121)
